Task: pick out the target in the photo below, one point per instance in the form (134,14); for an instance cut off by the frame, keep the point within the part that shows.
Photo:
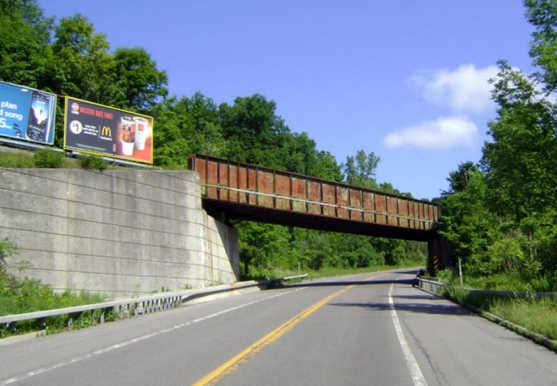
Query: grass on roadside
(537,315)
(19,296)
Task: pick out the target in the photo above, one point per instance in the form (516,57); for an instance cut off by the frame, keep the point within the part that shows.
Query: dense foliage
(500,214)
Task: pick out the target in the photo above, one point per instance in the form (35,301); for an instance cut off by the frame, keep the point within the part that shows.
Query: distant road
(373,329)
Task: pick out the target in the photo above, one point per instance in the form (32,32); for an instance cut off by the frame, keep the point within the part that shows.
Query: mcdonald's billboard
(106,131)
(27,114)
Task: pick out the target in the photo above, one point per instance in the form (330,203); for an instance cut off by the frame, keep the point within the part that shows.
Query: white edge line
(413,367)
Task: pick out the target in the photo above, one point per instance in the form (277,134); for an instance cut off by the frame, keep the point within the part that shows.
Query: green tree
(186,126)
(327,167)
(542,14)
(520,162)
(171,147)
(299,153)
(466,223)
(520,165)
(458,180)
(263,246)
(25,54)
(360,169)
(313,248)
(138,84)
(84,66)
(359,252)
(206,136)
(254,133)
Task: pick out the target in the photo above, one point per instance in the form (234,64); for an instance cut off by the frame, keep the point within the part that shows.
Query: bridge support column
(438,254)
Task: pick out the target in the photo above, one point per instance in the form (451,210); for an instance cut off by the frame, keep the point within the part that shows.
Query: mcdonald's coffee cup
(127,148)
(141,132)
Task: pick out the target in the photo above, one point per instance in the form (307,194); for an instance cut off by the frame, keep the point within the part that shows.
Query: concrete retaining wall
(119,233)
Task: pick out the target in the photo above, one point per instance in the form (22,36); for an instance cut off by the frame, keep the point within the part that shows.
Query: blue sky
(406,80)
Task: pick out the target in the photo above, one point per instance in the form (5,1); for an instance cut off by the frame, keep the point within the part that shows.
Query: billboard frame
(35,112)
(93,128)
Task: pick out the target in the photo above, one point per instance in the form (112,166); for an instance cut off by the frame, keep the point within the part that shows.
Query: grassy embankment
(520,306)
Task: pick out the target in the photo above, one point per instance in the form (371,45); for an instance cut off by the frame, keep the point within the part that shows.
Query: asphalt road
(373,329)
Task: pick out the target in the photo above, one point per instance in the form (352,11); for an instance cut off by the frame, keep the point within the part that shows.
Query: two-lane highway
(373,329)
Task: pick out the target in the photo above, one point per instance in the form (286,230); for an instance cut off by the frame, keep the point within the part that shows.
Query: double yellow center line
(232,365)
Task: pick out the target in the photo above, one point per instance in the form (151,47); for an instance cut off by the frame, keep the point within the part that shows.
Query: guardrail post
(75,315)
(11,327)
(124,311)
(41,322)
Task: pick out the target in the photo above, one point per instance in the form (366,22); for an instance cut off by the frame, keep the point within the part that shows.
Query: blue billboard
(26,113)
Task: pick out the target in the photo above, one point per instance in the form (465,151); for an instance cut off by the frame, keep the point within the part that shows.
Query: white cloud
(443,133)
(465,89)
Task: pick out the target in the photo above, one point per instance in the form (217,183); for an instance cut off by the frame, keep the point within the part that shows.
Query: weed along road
(373,329)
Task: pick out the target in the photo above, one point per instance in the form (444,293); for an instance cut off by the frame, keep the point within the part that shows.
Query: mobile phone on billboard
(39,117)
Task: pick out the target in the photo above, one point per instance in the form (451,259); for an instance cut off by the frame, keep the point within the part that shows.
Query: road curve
(373,329)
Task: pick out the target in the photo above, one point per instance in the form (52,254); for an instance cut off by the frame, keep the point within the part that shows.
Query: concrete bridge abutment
(118,233)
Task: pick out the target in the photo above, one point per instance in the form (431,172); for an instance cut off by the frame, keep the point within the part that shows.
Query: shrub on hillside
(92,162)
(48,158)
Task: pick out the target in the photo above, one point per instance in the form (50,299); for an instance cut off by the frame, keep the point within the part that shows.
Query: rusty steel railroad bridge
(236,190)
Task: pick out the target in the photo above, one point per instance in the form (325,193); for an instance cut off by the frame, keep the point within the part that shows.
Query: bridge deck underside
(311,221)
(244,191)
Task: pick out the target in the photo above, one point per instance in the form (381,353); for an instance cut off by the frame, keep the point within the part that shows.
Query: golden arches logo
(106,131)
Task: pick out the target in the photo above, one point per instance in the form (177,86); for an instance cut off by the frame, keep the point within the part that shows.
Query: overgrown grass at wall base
(18,296)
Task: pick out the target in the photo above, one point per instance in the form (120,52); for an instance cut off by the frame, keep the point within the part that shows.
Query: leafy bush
(7,248)
(92,162)
(19,296)
(48,158)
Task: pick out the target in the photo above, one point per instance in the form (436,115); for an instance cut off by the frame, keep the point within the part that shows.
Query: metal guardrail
(430,284)
(137,306)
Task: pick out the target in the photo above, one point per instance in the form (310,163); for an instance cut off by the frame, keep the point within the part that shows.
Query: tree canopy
(500,214)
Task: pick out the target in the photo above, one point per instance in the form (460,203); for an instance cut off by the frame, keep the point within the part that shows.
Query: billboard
(101,130)
(26,113)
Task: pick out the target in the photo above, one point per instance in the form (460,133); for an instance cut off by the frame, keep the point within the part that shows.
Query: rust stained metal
(262,194)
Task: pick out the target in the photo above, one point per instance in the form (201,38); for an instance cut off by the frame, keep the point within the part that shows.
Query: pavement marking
(234,363)
(131,341)
(413,367)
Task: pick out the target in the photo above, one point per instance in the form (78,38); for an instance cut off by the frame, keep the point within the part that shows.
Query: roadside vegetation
(51,159)
(524,311)
(22,295)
